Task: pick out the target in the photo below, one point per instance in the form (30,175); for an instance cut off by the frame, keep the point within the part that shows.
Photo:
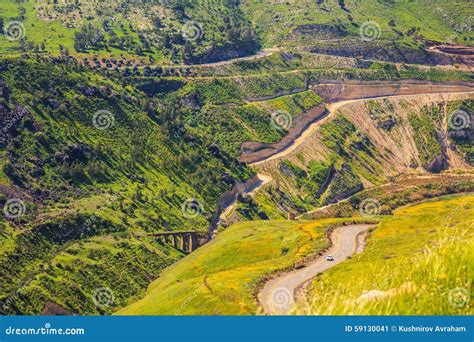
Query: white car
(329,258)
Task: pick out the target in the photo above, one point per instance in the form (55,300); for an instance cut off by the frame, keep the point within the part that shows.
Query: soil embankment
(459,53)
(255,151)
(228,198)
(331,92)
(354,90)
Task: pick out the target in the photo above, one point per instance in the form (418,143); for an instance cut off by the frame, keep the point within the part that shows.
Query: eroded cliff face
(368,143)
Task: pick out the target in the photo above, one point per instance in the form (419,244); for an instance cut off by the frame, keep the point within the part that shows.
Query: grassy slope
(155,31)
(136,146)
(55,35)
(274,22)
(168,166)
(409,251)
(345,144)
(465,142)
(220,277)
(119,184)
(227,117)
(415,258)
(138,31)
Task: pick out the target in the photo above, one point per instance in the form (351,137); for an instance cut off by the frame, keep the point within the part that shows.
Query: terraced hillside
(368,143)
(88,169)
(124,124)
(111,174)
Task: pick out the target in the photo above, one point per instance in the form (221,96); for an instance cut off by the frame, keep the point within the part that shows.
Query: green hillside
(123,119)
(295,22)
(346,156)
(418,262)
(167,32)
(101,159)
(221,277)
(88,156)
(203,31)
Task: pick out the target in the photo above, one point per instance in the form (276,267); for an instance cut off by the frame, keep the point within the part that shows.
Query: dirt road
(259,55)
(332,108)
(263,179)
(278,295)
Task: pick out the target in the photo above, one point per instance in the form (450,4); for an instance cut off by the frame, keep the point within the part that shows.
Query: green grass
(413,261)
(37,31)
(416,256)
(144,31)
(463,142)
(134,177)
(220,277)
(275,22)
(152,32)
(130,178)
(425,124)
(123,263)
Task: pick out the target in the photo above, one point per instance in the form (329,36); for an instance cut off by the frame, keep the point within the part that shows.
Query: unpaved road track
(278,295)
(259,55)
(332,108)
(250,191)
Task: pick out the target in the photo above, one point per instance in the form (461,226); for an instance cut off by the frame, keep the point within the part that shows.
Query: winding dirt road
(258,55)
(333,108)
(263,179)
(278,295)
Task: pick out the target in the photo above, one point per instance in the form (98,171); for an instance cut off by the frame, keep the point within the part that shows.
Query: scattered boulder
(191,101)
(438,164)
(387,124)
(263,215)
(75,152)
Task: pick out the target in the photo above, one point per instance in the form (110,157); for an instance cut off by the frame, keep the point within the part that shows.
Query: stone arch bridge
(184,241)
